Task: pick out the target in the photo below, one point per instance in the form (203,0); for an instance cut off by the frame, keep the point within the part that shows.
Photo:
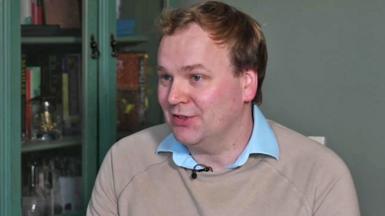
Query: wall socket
(320,139)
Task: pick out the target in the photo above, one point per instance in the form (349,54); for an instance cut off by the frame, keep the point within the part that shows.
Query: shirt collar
(262,141)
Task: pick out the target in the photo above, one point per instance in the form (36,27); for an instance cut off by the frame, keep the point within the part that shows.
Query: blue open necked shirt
(262,141)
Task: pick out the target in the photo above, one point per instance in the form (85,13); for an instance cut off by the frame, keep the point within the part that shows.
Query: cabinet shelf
(49,34)
(77,40)
(51,40)
(70,214)
(134,39)
(48,145)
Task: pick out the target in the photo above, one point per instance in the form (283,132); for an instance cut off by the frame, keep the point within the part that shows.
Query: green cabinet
(9,110)
(56,137)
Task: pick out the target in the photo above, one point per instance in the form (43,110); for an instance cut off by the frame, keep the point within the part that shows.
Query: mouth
(180,116)
(181,120)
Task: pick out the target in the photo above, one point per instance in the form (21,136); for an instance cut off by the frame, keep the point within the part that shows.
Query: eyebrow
(160,68)
(192,67)
(185,68)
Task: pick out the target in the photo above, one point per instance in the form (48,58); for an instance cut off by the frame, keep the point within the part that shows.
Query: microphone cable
(195,169)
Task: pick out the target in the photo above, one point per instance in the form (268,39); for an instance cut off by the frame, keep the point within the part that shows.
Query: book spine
(72,66)
(35,81)
(128,71)
(54,77)
(23,91)
(32,93)
(65,13)
(37,12)
(28,105)
(65,102)
(142,88)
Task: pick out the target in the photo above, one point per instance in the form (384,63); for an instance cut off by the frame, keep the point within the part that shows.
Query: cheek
(162,96)
(223,97)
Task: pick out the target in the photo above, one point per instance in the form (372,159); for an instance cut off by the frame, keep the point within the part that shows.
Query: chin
(185,136)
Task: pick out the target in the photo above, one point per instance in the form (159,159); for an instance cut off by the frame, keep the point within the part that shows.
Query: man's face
(202,100)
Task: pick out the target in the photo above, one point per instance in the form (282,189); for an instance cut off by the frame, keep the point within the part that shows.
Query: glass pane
(136,103)
(51,107)
(132,100)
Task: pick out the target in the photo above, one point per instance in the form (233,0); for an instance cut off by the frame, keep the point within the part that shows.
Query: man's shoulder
(302,158)
(313,170)
(295,146)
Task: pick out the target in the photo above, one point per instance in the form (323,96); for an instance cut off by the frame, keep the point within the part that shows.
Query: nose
(177,93)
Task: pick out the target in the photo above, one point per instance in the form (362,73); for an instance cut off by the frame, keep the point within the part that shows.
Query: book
(23,93)
(72,89)
(65,13)
(53,77)
(35,81)
(32,93)
(65,102)
(128,66)
(142,105)
(72,66)
(28,106)
(37,12)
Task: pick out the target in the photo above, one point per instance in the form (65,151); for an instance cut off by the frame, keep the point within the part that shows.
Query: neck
(222,151)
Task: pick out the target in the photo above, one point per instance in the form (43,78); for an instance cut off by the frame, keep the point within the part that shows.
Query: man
(218,155)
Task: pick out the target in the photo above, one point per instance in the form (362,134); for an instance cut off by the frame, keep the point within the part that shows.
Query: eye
(165,77)
(196,77)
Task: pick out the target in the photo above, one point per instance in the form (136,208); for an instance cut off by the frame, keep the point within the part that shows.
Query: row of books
(64,13)
(55,79)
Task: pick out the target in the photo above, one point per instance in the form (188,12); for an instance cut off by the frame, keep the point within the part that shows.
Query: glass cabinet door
(67,97)
(9,109)
(53,110)
(136,102)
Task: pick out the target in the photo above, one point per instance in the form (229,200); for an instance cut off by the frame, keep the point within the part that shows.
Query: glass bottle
(34,202)
(48,129)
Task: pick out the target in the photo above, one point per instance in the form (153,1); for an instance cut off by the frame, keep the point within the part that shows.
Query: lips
(180,116)
(181,120)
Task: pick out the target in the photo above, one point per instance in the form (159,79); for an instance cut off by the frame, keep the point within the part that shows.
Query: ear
(249,85)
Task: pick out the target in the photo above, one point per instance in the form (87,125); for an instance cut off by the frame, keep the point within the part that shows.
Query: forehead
(190,45)
(191,31)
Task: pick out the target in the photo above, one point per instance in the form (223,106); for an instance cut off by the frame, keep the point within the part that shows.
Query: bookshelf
(89,133)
